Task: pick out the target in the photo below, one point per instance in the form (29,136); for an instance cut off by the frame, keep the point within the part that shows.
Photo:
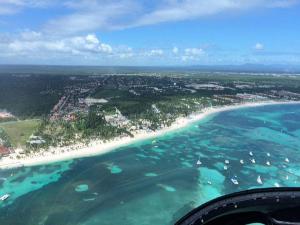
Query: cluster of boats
(234,179)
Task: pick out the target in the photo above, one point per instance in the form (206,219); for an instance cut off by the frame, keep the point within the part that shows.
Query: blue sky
(141,32)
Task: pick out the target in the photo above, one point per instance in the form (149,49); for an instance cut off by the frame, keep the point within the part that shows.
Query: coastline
(97,147)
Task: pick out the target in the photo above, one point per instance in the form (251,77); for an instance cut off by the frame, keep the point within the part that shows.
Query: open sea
(157,181)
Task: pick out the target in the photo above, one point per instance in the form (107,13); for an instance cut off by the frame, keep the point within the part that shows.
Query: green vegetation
(30,96)
(110,93)
(147,101)
(4,139)
(18,132)
(87,126)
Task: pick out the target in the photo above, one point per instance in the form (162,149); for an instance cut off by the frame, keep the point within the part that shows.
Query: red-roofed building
(4,151)
(5,115)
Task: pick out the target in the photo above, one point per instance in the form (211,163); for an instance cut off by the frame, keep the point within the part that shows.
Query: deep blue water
(158,181)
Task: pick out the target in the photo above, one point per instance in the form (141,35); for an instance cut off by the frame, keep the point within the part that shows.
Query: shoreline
(96,147)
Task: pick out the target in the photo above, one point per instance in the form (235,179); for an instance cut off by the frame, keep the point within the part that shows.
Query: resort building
(4,151)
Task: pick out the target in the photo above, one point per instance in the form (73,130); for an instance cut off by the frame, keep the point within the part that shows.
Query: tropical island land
(53,116)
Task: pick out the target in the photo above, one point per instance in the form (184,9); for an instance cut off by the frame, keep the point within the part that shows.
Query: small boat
(251,153)
(209,182)
(287,160)
(225,167)
(252,160)
(268,154)
(199,162)
(88,199)
(259,180)
(276,184)
(242,161)
(227,161)
(4,197)
(268,163)
(234,181)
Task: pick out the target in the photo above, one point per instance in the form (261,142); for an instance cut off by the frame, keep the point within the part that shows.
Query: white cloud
(123,52)
(258,46)
(194,51)
(283,3)
(30,35)
(175,50)
(90,15)
(34,47)
(14,6)
(192,54)
(35,43)
(184,10)
(6,10)
(155,52)
(27,3)
(179,10)
(126,55)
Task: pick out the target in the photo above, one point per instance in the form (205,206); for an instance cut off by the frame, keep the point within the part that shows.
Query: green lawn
(19,131)
(110,93)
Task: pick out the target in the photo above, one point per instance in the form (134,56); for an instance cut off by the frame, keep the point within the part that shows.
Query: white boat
(268,163)
(234,181)
(242,161)
(268,154)
(250,153)
(252,160)
(225,167)
(259,180)
(287,160)
(4,197)
(276,184)
(227,161)
(199,162)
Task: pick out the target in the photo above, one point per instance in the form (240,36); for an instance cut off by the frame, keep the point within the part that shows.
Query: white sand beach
(97,147)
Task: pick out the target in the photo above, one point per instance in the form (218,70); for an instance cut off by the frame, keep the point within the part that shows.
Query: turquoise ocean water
(157,181)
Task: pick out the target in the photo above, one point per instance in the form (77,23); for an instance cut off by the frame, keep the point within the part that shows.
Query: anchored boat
(4,197)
